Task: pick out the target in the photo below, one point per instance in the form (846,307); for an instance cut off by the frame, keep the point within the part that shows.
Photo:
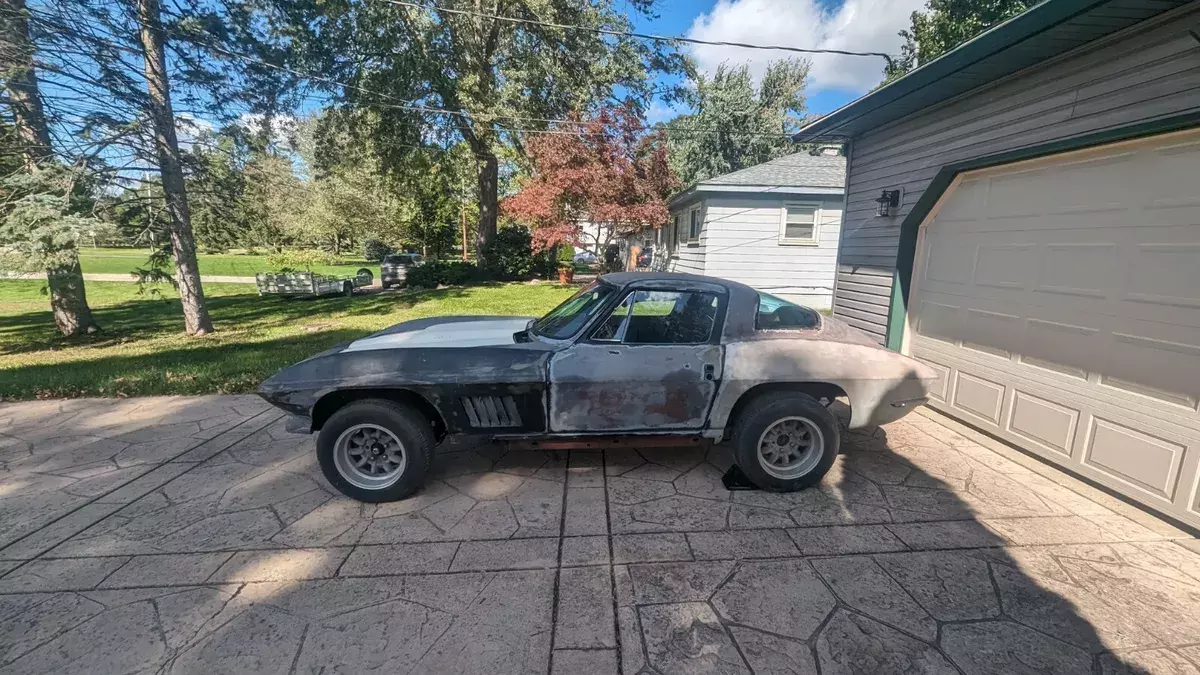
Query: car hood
(451,331)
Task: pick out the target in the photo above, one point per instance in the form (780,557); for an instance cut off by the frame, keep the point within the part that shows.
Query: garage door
(1059,299)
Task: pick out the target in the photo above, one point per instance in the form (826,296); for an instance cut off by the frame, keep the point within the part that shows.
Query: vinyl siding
(1152,72)
(742,243)
(686,257)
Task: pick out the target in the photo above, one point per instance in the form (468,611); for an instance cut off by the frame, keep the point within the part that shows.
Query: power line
(415,107)
(642,36)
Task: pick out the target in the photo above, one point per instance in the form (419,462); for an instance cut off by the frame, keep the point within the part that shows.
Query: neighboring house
(773,226)
(1044,253)
(594,237)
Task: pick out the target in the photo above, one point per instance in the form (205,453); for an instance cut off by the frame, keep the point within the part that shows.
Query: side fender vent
(484,412)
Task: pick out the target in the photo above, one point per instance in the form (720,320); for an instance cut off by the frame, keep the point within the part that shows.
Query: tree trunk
(489,185)
(462,221)
(68,300)
(183,244)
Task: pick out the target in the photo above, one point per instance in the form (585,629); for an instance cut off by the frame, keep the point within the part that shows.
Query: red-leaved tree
(610,173)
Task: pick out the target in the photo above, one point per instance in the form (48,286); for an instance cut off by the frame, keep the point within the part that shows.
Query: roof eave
(991,41)
(707,188)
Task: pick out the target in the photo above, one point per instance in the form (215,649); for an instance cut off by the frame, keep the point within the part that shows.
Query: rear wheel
(375,450)
(347,289)
(785,441)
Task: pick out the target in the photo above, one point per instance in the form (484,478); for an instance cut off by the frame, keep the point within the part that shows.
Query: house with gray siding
(1023,215)
(774,226)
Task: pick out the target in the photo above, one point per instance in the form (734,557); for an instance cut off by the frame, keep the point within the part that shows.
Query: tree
(944,25)
(611,172)
(38,224)
(215,169)
(494,78)
(112,72)
(166,144)
(737,124)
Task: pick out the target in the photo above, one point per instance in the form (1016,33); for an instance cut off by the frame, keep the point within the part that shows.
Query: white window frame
(691,241)
(816,236)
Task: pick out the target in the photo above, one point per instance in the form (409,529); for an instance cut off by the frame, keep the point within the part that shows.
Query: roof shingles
(798,170)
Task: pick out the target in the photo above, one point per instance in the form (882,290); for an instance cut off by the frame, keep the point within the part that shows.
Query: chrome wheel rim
(790,448)
(369,456)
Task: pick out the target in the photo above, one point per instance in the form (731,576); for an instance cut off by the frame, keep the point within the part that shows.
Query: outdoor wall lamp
(888,201)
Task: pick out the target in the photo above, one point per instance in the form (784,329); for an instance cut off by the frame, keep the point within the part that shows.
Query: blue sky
(855,25)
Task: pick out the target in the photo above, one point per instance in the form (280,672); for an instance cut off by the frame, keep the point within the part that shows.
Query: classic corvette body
(630,354)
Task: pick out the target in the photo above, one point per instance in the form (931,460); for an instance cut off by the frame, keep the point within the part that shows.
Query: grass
(126,260)
(142,349)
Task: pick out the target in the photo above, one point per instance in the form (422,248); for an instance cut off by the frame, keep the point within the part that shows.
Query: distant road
(133,277)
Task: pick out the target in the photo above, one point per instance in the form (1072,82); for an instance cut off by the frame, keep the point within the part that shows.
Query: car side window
(661,318)
(612,329)
(776,313)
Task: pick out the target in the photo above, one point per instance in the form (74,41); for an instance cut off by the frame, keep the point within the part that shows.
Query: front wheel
(375,450)
(785,441)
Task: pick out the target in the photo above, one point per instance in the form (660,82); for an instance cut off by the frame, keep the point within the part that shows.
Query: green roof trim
(1044,31)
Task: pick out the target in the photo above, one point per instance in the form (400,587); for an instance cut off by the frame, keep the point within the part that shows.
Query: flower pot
(566,275)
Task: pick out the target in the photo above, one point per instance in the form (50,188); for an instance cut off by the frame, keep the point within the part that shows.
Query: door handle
(709,371)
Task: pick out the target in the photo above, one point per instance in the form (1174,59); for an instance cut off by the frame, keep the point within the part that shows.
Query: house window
(681,230)
(694,224)
(798,224)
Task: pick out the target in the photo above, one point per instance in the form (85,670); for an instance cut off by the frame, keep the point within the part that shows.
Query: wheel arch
(815,389)
(330,403)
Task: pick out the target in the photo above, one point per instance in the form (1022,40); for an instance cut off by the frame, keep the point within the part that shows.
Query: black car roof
(743,300)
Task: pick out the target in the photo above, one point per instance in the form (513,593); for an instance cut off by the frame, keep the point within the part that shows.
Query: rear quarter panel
(872,377)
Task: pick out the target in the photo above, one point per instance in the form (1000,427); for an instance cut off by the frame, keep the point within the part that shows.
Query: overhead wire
(641,36)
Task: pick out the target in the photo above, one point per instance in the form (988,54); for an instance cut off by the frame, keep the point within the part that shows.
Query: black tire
(762,415)
(406,424)
(367,277)
(347,288)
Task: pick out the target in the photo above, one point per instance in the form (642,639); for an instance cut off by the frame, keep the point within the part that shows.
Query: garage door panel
(1060,306)
(1077,269)
(978,396)
(1079,185)
(1160,365)
(1135,457)
(1164,274)
(1048,424)
(938,389)
(1006,266)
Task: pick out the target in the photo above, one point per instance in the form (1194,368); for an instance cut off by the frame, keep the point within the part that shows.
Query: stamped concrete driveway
(194,535)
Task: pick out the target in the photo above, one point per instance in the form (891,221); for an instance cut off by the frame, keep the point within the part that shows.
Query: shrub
(374,250)
(510,255)
(299,260)
(442,272)
(566,255)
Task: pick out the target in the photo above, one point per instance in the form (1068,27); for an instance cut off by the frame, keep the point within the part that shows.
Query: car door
(652,364)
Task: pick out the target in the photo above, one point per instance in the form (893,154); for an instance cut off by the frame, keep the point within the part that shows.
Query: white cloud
(660,112)
(283,126)
(856,25)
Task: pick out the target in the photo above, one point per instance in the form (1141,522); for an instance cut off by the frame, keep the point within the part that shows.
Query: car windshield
(566,319)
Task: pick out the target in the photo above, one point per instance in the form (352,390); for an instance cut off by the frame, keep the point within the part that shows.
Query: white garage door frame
(1098,410)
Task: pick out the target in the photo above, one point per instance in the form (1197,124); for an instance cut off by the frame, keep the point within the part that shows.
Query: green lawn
(126,260)
(142,349)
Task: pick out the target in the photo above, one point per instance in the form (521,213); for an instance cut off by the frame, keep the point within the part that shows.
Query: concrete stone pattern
(180,535)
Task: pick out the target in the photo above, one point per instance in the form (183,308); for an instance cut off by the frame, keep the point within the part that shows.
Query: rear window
(779,314)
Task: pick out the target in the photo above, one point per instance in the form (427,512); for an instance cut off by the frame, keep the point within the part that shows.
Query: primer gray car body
(492,375)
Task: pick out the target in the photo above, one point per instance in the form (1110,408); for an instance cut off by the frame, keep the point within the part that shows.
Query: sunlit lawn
(126,260)
(142,349)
